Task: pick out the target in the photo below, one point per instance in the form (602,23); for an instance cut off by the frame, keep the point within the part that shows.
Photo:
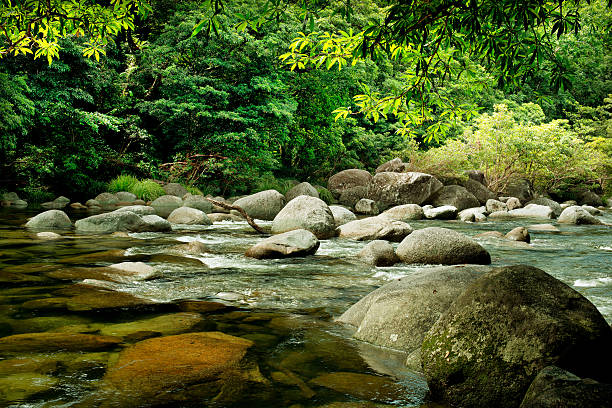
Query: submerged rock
(487,348)
(22,386)
(221,217)
(435,245)
(165,325)
(543,228)
(375,228)
(289,244)
(53,219)
(362,386)
(50,236)
(378,253)
(41,342)
(305,212)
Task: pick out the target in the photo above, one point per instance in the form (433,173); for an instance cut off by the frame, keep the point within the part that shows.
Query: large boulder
(125,197)
(197,202)
(175,189)
(165,204)
(492,205)
(480,191)
(590,198)
(405,212)
(375,228)
(488,347)
(555,387)
(289,244)
(533,211)
(390,189)
(189,216)
(305,212)
(264,205)
(520,189)
(444,212)
(304,188)
(399,313)
(457,196)
(52,219)
(556,207)
(171,369)
(155,223)
(111,222)
(577,215)
(435,245)
(476,175)
(342,215)
(395,166)
(378,253)
(107,200)
(349,186)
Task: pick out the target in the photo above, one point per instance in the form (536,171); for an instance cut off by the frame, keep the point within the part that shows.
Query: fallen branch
(241,211)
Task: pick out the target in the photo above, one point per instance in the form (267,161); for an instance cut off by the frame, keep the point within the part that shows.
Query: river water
(287,307)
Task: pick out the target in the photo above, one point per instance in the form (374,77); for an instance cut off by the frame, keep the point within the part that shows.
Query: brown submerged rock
(364,386)
(55,342)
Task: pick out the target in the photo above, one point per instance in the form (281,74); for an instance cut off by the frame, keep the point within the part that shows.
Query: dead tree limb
(241,211)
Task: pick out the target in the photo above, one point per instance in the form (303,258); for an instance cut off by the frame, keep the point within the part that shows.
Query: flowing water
(286,307)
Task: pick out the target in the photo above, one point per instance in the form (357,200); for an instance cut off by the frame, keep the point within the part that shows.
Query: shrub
(122,183)
(147,190)
(194,190)
(268,182)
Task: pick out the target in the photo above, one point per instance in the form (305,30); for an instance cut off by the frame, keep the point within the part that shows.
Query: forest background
(224,113)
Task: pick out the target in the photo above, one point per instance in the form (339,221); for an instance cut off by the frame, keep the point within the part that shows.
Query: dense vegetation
(224,113)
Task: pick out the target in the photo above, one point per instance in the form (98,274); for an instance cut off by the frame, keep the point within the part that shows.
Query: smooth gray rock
(366,207)
(375,228)
(305,212)
(543,228)
(493,205)
(488,347)
(47,235)
(445,212)
(111,222)
(548,202)
(175,189)
(577,215)
(19,203)
(480,191)
(435,245)
(197,202)
(264,205)
(378,253)
(155,223)
(165,204)
(92,203)
(188,216)
(396,166)
(57,204)
(519,234)
(106,199)
(294,243)
(137,209)
(533,211)
(592,210)
(349,186)
(405,212)
(125,196)
(456,196)
(473,214)
(222,217)
(342,215)
(391,189)
(501,215)
(304,188)
(52,219)
(399,313)
(555,387)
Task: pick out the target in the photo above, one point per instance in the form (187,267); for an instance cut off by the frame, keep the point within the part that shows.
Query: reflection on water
(286,307)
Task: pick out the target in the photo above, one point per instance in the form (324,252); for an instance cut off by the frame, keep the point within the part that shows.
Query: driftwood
(241,211)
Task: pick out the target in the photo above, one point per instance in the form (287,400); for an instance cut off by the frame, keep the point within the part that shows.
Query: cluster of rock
(12,200)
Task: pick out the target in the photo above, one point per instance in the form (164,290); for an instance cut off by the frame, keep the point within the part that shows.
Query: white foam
(592,283)
(605,248)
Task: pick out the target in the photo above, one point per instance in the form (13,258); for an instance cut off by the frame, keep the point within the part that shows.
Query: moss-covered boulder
(487,348)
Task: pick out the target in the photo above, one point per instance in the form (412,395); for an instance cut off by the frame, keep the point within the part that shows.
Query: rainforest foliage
(229,96)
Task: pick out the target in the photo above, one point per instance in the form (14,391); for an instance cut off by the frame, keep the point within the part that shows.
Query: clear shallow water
(308,292)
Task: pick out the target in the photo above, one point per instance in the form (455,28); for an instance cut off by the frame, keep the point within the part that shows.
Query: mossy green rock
(174,323)
(508,325)
(55,342)
(16,388)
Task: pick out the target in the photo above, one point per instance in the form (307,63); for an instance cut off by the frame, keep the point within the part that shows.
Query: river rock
(264,205)
(456,196)
(57,204)
(375,228)
(590,198)
(111,222)
(197,202)
(10,197)
(92,203)
(533,211)
(304,188)
(378,253)
(549,203)
(165,204)
(193,248)
(289,244)
(155,223)
(135,271)
(405,212)
(473,214)
(543,228)
(349,186)
(362,386)
(592,210)
(555,387)
(175,189)
(42,342)
(520,189)
(305,212)
(476,175)
(166,325)
(125,196)
(435,245)
(221,217)
(489,234)
(488,347)
(188,216)
(51,219)
(480,191)
(395,166)
(137,209)
(19,203)
(23,386)
(501,215)
(493,205)
(399,313)
(519,234)
(107,200)
(342,215)
(445,212)
(577,215)
(169,370)
(366,207)
(390,189)
(47,235)
(513,203)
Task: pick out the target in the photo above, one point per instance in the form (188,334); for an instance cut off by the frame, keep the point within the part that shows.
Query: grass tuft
(123,182)
(147,190)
